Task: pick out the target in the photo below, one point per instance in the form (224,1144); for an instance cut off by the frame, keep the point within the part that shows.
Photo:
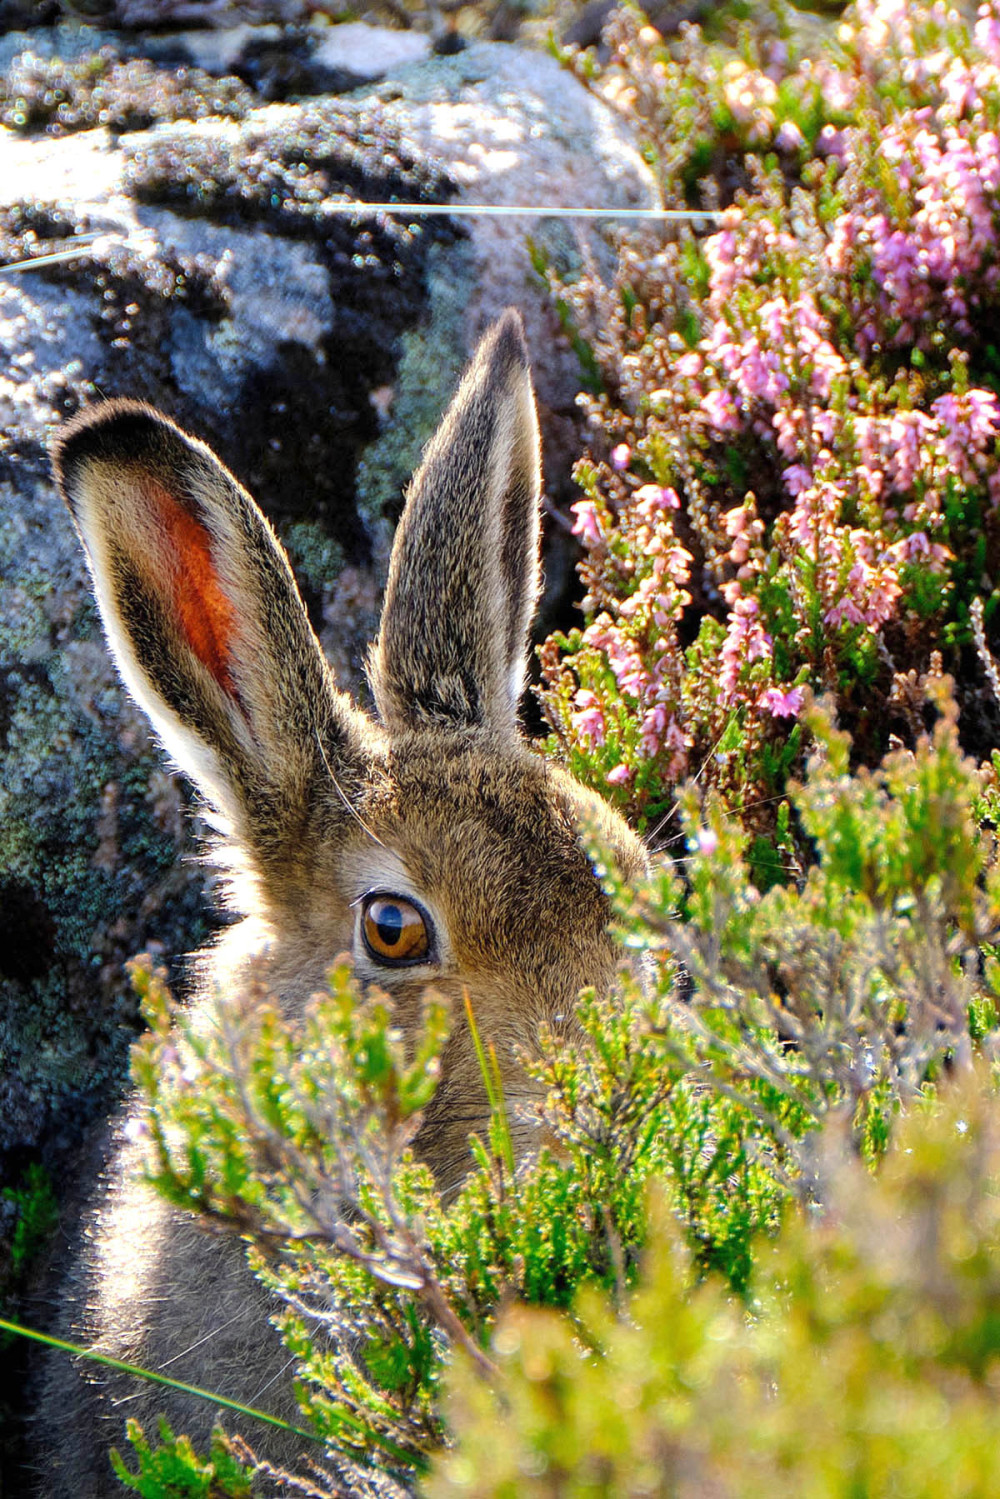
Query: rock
(332,58)
(218,51)
(314,350)
(508,124)
(368,52)
(221,291)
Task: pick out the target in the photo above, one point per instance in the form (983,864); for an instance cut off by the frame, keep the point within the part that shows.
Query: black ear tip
(112,431)
(509,344)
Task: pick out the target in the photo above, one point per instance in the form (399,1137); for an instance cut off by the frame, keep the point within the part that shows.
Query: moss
(131,289)
(37,1215)
(432,359)
(289,169)
(76,895)
(316,558)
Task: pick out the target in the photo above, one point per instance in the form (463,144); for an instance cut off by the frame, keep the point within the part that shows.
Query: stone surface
(335,56)
(314,350)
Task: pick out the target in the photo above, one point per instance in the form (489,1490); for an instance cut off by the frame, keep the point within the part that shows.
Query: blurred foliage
(867,1364)
(37,1212)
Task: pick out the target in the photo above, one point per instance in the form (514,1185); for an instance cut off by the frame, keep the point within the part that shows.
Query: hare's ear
(202,614)
(464,573)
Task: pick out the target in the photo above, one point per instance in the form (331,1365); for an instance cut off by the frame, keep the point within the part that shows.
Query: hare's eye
(395,931)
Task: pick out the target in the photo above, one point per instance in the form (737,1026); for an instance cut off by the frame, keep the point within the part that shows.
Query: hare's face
(465,871)
(427,841)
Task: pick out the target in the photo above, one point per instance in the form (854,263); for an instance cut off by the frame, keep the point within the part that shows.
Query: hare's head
(428,840)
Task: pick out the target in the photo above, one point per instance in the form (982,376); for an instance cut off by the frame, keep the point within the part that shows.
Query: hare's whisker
(343,794)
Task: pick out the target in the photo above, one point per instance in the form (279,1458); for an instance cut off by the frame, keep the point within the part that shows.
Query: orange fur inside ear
(199,605)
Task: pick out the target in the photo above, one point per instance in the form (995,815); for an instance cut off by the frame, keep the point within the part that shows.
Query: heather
(791,478)
(681,1232)
(868,1365)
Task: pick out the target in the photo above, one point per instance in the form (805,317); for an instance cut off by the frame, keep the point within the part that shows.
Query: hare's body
(429,842)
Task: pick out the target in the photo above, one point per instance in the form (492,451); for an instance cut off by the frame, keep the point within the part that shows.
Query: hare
(428,840)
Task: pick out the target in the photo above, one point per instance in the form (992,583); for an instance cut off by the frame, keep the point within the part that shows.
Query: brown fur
(438,799)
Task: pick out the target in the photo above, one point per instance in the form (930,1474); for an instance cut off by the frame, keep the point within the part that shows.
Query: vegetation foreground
(763,1252)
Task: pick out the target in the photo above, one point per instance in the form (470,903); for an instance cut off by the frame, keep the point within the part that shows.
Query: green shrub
(866,1365)
(768,1028)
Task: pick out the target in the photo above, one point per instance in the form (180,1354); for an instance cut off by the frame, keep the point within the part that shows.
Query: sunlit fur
(438,798)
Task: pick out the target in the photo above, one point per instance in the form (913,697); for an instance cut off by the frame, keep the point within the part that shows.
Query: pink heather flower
(675,740)
(655,497)
(620,776)
(720,250)
(843,236)
(789,137)
(824,425)
(866,432)
(688,367)
(958,83)
(883,590)
(588,523)
(885,26)
(827,367)
(630,674)
(846,610)
(988,159)
(907,431)
(955,450)
(759,374)
(736,524)
(653,726)
(746,641)
(776,52)
(707,840)
(782,702)
(832,142)
(750,97)
(621,457)
(773,316)
(719,411)
(720,346)
(932,554)
(872,585)
(788,425)
(840,88)
(987,33)
(599,633)
(949,171)
(968,422)
(589,722)
(797,478)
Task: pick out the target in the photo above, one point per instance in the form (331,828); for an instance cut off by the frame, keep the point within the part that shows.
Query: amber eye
(394,929)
